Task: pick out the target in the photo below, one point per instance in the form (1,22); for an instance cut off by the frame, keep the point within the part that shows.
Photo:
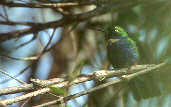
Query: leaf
(123,33)
(57,91)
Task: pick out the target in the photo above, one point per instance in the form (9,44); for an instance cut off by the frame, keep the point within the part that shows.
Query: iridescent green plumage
(123,33)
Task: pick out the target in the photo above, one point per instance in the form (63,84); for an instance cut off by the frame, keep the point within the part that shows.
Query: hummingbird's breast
(122,53)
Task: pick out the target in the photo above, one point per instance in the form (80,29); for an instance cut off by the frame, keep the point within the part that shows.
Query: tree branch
(36,27)
(134,72)
(126,77)
(46,5)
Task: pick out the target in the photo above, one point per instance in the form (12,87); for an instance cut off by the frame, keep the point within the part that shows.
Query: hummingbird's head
(120,31)
(114,33)
(117,33)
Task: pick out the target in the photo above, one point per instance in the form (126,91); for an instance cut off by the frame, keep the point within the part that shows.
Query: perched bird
(122,52)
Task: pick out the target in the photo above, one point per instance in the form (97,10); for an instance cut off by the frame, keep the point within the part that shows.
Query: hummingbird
(121,49)
(122,52)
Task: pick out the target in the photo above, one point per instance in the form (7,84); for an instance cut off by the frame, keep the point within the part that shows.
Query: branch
(16,89)
(5,73)
(36,27)
(135,71)
(46,5)
(126,77)
(95,75)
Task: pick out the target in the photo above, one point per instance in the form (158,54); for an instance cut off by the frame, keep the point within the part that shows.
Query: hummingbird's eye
(116,30)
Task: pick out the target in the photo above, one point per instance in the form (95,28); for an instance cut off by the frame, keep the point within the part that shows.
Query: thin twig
(46,5)
(50,40)
(16,89)
(5,12)
(31,58)
(22,82)
(25,102)
(22,71)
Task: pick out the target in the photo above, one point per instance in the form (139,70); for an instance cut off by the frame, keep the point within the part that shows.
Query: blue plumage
(121,53)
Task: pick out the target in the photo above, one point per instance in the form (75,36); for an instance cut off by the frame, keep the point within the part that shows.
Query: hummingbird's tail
(144,87)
